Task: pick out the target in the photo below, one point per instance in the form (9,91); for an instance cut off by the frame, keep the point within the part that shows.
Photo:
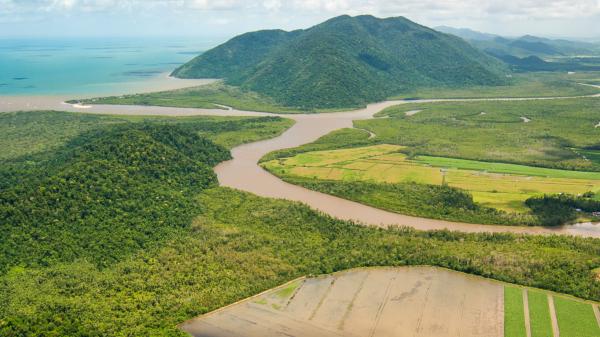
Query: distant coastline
(55,102)
(92,67)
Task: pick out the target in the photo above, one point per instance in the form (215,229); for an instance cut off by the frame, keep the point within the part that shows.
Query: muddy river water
(243,172)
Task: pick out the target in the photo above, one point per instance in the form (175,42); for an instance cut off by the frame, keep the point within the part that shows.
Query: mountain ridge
(521,46)
(345,62)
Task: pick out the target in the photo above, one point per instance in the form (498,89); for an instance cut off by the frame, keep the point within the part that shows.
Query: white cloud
(249,14)
(509,8)
(274,5)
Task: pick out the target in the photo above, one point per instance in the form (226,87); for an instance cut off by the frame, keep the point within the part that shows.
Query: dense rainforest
(105,194)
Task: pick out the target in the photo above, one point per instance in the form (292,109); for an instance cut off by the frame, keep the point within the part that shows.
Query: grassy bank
(554,134)
(497,185)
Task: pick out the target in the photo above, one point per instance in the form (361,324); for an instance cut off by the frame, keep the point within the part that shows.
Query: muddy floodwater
(244,173)
(377,302)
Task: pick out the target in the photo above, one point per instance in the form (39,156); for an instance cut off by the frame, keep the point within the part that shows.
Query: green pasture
(497,185)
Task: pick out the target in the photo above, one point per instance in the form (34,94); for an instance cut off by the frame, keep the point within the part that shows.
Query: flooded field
(408,301)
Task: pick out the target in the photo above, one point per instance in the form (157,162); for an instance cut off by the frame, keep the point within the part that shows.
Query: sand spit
(412,112)
(81,106)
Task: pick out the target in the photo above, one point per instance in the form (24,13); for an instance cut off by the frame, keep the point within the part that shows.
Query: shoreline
(163,82)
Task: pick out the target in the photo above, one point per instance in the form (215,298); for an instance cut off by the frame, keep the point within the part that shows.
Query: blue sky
(220,19)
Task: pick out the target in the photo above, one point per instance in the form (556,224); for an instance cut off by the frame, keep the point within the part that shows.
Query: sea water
(89,65)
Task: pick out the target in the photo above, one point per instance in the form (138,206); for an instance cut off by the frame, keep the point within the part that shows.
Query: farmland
(575,319)
(571,317)
(368,302)
(514,313)
(397,302)
(496,185)
(539,314)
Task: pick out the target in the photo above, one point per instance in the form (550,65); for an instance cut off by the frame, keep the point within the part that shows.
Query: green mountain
(523,46)
(346,61)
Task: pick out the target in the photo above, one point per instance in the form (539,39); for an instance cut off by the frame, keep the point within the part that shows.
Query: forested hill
(346,61)
(103,195)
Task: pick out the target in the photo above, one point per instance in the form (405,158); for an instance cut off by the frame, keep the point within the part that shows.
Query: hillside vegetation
(523,46)
(539,84)
(345,62)
(104,195)
(213,96)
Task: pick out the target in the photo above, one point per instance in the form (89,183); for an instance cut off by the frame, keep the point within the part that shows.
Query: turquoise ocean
(89,65)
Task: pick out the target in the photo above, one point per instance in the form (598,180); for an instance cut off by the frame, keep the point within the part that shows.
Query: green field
(575,319)
(539,314)
(342,138)
(497,185)
(494,131)
(514,317)
(513,169)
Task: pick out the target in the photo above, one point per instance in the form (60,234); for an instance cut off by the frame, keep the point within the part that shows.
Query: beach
(56,102)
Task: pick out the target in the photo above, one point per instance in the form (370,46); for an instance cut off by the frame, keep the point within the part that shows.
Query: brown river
(244,173)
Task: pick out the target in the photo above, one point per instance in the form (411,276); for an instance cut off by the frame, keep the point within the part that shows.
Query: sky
(226,18)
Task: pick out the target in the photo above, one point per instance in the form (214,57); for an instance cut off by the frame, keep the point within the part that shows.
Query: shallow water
(90,65)
(377,302)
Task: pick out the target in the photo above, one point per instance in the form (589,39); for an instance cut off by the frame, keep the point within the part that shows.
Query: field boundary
(247,299)
(525,294)
(549,293)
(553,318)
